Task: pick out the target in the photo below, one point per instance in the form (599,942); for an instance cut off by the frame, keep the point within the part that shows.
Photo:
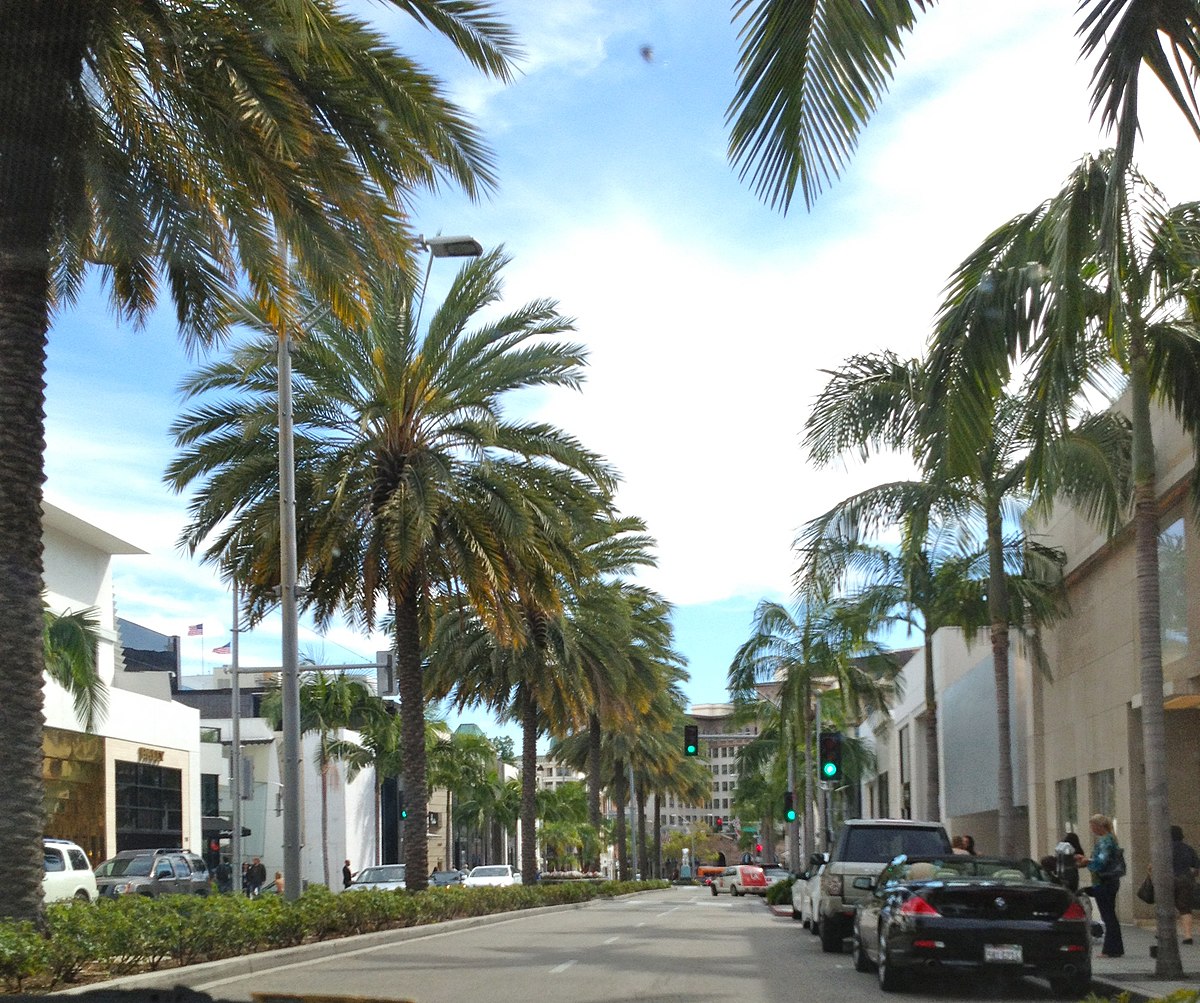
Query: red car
(740,879)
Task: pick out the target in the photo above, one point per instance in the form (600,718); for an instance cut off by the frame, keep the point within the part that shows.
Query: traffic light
(758,847)
(691,740)
(830,760)
(400,805)
(720,824)
(789,806)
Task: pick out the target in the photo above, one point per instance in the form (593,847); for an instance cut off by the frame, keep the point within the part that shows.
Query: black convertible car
(984,913)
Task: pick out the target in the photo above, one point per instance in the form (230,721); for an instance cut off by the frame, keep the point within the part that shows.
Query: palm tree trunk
(41,51)
(809,840)
(529,872)
(933,775)
(657,867)
(1154,739)
(410,683)
(620,796)
(593,781)
(999,613)
(324,813)
(639,793)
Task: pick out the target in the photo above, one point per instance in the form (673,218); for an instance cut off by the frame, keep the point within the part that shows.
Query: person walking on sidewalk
(1107,865)
(1184,864)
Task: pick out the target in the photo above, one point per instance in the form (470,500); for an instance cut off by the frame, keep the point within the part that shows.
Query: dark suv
(862,847)
(171,871)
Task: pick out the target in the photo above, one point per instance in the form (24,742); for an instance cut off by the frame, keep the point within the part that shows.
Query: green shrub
(24,954)
(780,893)
(77,930)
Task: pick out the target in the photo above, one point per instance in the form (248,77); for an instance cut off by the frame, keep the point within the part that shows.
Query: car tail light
(917,906)
(831,884)
(1074,912)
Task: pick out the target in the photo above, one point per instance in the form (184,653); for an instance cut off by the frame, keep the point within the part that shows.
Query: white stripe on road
(562,968)
(612,940)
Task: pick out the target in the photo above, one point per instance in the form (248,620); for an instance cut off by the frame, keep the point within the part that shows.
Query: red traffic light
(758,847)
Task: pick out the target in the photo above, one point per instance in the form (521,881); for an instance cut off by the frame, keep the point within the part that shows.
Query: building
(721,739)
(135,782)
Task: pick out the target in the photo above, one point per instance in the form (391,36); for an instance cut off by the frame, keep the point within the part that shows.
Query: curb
(264,961)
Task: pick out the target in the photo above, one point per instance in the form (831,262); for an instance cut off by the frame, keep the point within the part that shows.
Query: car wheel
(861,962)
(714,890)
(831,941)
(82,896)
(733,890)
(1072,986)
(814,926)
(796,913)
(890,978)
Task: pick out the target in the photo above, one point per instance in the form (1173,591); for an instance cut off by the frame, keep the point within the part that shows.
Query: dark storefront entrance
(149,806)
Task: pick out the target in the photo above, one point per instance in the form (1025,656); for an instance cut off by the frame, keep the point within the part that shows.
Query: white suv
(68,873)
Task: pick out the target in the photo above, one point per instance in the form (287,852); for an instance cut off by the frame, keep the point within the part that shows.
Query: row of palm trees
(1097,277)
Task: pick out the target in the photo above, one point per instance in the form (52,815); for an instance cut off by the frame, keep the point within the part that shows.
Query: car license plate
(1002,954)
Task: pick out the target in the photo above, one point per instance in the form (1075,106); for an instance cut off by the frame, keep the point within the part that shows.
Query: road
(677,944)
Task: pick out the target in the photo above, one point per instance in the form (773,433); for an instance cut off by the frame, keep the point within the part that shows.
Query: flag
(195,629)
(223,650)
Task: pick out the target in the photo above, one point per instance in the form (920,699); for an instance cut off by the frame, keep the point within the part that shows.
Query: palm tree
(823,647)
(879,402)
(189,145)
(1062,293)
(329,703)
(812,72)
(69,640)
(412,482)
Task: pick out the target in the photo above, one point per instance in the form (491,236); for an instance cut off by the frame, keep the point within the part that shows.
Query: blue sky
(708,316)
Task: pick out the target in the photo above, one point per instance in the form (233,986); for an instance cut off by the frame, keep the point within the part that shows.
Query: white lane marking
(612,940)
(562,968)
(642,923)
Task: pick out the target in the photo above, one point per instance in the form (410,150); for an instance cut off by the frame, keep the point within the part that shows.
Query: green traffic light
(829,769)
(691,750)
(791,815)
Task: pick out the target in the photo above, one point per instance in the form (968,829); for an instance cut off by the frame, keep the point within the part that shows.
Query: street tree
(413,482)
(1060,295)
(182,150)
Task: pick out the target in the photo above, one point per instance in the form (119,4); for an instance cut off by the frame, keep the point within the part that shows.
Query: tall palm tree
(812,72)
(185,145)
(881,402)
(1048,292)
(412,481)
(329,703)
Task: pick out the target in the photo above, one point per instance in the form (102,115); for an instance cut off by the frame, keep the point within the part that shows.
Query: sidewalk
(1134,973)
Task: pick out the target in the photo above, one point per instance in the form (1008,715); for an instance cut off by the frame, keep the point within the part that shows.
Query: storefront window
(1172,592)
(149,805)
(1102,793)
(1067,807)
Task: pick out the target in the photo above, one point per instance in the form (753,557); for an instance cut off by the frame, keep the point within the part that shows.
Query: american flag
(223,650)
(195,630)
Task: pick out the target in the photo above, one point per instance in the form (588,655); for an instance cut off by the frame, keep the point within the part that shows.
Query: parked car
(861,849)
(67,872)
(382,876)
(446,879)
(775,873)
(958,911)
(805,891)
(740,879)
(492,874)
(153,873)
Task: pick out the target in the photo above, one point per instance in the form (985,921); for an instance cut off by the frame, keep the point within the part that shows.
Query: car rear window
(489,872)
(879,844)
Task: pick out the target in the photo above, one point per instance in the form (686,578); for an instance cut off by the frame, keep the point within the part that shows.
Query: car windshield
(126,867)
(489,872)
(775,872)
(879,844)
(393,872)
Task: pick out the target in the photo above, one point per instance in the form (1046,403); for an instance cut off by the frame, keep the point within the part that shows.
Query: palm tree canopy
(70,640)
(811,73)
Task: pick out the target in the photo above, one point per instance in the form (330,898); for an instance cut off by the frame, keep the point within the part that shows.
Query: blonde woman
(1107,858)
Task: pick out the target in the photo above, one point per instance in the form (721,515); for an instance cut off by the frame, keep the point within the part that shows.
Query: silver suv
(862,847)
(153,873)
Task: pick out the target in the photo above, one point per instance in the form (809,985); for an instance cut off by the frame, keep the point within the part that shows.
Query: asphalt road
(678,944)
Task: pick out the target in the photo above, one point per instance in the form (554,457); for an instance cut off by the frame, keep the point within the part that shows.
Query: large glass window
(1066,798)
(149,804)
(1172,601)
(1102,792)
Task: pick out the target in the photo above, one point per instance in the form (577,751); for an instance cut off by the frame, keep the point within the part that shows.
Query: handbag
(1146,890)
(1115,865)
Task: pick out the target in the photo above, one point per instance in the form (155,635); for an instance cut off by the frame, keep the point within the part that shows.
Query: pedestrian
(1066,851)
(277,884)
(256,877)
(1107,864)
(246,878)
(224,876)
(959,844)
(347,875)
(1184,864)
(969,844)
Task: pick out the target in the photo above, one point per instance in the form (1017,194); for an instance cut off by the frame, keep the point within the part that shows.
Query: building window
(1102,793)
(210,799)
(1172,602)
(885,801)
(149,806)
(1066,796)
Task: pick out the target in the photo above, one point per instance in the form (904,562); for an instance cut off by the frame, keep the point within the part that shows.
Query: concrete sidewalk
(1134,973)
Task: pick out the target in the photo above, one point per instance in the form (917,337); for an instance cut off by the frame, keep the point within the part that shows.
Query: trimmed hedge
(137,934)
